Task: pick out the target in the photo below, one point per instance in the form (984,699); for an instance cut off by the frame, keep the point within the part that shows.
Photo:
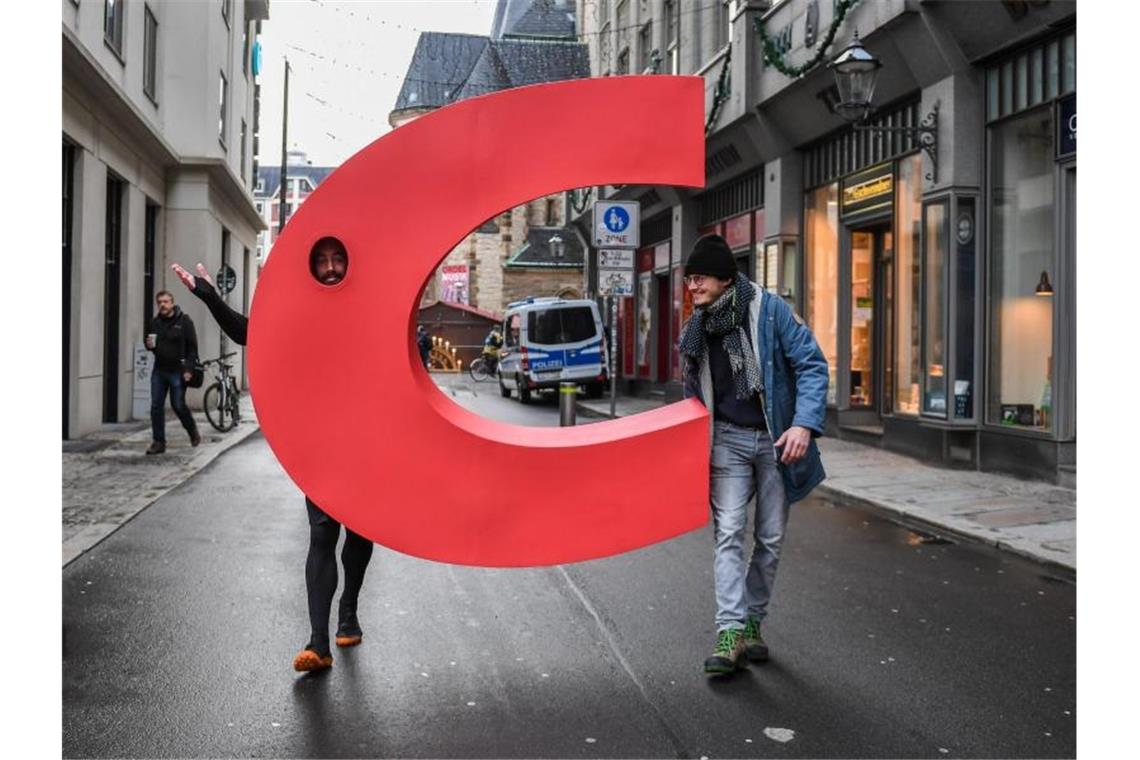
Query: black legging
(321,577)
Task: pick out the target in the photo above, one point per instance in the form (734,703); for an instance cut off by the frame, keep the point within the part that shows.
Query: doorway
(68,191)
(872,285)
(112,271)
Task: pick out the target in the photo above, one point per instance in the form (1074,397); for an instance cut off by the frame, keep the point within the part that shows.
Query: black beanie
(712,256)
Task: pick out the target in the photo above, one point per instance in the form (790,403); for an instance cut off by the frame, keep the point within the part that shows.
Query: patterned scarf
(726,317)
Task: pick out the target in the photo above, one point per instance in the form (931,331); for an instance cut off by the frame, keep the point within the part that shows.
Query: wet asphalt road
(179,632)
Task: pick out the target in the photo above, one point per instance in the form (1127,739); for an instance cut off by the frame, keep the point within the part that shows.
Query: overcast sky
(340,103)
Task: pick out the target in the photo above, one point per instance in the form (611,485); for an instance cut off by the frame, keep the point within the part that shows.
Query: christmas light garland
(773,56)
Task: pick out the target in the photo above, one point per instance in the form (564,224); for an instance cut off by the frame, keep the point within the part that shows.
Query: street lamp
(557,246)
(856,72)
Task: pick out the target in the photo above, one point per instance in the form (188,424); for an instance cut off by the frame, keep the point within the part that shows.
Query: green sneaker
(754,646)
(728,655)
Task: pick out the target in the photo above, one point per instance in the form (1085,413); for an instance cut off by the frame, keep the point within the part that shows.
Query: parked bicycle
(483,368)
(222,397)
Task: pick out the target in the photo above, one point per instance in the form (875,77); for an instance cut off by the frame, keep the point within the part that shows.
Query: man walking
(175,346)
(328,263)
(750,359)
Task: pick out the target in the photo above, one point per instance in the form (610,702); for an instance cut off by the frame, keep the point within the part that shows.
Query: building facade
(303,180)
(936,270)
(529,250)
(159,132)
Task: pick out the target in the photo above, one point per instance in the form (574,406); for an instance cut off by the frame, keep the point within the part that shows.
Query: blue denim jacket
(795,384)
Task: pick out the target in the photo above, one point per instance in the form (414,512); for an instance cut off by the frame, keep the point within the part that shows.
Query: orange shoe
(348,640)
(308,660)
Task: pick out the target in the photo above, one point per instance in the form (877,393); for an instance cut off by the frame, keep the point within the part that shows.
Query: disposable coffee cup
(151,338)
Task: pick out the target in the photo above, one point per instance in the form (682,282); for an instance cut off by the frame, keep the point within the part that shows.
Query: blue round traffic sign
(616,219)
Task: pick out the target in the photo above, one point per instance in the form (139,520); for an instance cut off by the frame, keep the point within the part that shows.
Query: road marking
(675,740)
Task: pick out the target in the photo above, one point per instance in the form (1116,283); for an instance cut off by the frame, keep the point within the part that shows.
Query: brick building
(528,250)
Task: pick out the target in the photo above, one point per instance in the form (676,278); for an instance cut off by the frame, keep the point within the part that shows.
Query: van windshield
(570,325)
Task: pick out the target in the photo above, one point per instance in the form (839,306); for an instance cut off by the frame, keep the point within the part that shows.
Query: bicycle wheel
(478,370)
(234,401)
(220,418)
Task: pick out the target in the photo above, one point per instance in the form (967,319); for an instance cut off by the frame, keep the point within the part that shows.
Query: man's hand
(186,375)
(188,279)
(795,442)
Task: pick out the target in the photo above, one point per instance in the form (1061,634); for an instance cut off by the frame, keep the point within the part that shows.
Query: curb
(95,534)
(585,411)
(911,520)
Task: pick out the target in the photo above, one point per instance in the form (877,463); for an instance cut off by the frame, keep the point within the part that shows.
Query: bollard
(567,394)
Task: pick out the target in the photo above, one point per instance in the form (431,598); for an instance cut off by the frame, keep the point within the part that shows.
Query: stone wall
(485,253)
(526,283)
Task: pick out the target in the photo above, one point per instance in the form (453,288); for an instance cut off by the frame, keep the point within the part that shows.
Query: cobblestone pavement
(108,478)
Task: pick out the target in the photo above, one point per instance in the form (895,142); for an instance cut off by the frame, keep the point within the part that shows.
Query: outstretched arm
(234,324)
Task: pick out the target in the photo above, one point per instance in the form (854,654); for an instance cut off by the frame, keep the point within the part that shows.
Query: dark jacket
(176,344)
(234,324)
(795,375)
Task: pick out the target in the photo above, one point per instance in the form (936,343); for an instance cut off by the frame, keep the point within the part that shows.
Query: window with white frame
(113,11)
(720,25)
(245,48)
(223,94)
(645,46)
(605,47)
(150,54)
(241,158)
(622,28)
(672,34)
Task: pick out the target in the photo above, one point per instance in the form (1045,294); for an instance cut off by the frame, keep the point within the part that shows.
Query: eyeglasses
(695,279)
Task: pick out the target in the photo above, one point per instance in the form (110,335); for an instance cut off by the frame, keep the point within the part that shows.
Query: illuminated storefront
(926,233)
(947,313)
(1031,145)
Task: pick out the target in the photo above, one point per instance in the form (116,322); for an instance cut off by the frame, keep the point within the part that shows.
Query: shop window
(1021,290)
(908,278)
(1069,63)
(934,311)
(1052,70)
(1039,74)
(788,273)
(768,265)
(821,245)
(862,318)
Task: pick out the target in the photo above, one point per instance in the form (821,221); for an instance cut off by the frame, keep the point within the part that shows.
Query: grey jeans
(743,471)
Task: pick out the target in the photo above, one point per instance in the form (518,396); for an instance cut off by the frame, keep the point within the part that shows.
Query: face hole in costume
(328,261)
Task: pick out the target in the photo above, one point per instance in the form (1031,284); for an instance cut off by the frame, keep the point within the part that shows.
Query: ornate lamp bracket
(926,133)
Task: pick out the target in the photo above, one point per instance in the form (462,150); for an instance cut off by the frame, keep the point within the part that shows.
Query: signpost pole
(617,235)
(613,354)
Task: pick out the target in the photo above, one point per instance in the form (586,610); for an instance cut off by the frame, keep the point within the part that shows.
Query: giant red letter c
(338,387)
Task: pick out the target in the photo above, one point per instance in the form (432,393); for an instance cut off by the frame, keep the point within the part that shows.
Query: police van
(547,341)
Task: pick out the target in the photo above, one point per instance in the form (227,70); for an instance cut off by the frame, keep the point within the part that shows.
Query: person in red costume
(328,263)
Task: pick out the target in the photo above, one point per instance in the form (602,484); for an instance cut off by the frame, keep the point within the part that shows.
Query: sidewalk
(1032,519)
(108,478)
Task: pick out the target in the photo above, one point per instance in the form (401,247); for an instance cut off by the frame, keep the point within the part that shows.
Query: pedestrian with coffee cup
(175,345)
